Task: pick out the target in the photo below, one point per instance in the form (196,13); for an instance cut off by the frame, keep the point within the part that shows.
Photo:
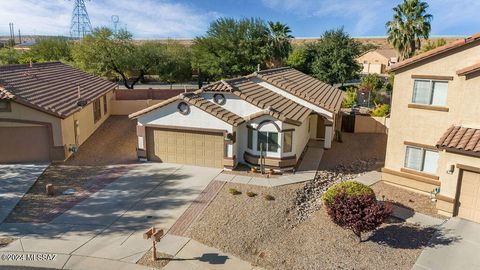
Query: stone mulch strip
(196,208)
(4,241)
(37,207)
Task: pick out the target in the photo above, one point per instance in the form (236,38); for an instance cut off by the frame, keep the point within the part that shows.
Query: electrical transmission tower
(80,25)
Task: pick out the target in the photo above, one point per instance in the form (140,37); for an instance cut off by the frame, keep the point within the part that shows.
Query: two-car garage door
(469,199)
(185,147)
(24,144)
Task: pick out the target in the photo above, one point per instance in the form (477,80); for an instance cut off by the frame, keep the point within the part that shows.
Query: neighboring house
(40,118)
(26,46)
(271,114)
(376,61)
(434,137)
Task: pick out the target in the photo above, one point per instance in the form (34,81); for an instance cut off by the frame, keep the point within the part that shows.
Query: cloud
(358,15)
(146,18)
(366,16)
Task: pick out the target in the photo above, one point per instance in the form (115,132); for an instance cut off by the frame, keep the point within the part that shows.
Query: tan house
(269,116)
(376,61)
(48,110)
(434,137)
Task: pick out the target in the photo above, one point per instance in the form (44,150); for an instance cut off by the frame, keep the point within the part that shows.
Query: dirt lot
(355,147)
(262,232)
(113,143)
(415,201)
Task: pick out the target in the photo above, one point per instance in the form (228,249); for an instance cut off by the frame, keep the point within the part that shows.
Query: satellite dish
(115,18)
(81,102)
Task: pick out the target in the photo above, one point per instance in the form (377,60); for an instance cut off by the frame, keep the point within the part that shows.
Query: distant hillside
(381,42)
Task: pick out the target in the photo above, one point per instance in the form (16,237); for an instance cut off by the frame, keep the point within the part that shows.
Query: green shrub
(268,197)
(381,110)
(233,191)
(350,98)
(251,194)
(351,188)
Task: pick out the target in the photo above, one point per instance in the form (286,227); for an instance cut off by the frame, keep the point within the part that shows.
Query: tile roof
(466,140)
(50,87)
(272,103)
(279,106)
(195,99)
(305,87)
(435,52)
(468,70)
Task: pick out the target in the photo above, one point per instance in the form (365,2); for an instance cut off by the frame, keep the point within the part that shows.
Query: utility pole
(80,24)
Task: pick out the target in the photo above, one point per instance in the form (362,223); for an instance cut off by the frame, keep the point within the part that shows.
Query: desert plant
(350,187)
(251,194)
(268,197)
(233,191)
(381,110)
(354,207)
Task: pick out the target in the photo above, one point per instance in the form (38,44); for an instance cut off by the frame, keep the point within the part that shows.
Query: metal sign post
(155,235)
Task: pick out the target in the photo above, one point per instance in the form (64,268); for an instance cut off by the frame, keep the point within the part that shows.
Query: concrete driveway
(15,181)
(455,246)
(105,231)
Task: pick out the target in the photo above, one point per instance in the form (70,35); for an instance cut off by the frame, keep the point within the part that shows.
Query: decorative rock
(309,199)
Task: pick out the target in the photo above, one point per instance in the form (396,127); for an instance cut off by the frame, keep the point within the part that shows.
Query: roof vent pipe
(258,67)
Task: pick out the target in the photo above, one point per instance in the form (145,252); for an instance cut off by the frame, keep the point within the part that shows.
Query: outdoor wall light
(450,169)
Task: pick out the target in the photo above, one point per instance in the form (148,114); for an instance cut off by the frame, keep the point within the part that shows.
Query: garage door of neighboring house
(469,199)
(185,147)
(24,144)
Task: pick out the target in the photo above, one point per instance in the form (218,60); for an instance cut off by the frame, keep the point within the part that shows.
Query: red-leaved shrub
(359,213)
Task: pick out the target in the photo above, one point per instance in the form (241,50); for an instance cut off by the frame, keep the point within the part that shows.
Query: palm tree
(409,25)
(279,43)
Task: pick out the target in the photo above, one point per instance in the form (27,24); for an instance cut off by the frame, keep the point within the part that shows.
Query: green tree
(302,57)
(51,49)
(371,82)
(176,65)
(350,98)
(9,56)
(279,42)
(409,25)
(231,48)
(335,60)
(430,45)
(107,54)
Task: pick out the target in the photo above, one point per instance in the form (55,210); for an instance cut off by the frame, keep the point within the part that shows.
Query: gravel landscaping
(162,260)
(267,234)
(5,241)
(36,206)
(417,202)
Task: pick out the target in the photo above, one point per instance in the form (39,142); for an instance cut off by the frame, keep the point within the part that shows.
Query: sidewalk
(190,254)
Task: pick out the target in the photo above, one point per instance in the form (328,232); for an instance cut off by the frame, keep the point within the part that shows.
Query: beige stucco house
(376,61)
(268,117)
(434,137)
(41,118)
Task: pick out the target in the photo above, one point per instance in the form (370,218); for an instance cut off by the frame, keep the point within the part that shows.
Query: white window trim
(423,159)
(430,103)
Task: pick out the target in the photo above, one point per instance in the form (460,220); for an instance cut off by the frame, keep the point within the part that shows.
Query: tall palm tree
(279,42)
(409,25)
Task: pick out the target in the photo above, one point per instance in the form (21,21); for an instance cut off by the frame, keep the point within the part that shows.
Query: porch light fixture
(219,99)
(450,169)
(183,108)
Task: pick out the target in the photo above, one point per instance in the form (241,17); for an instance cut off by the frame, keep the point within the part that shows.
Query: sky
(183,19)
